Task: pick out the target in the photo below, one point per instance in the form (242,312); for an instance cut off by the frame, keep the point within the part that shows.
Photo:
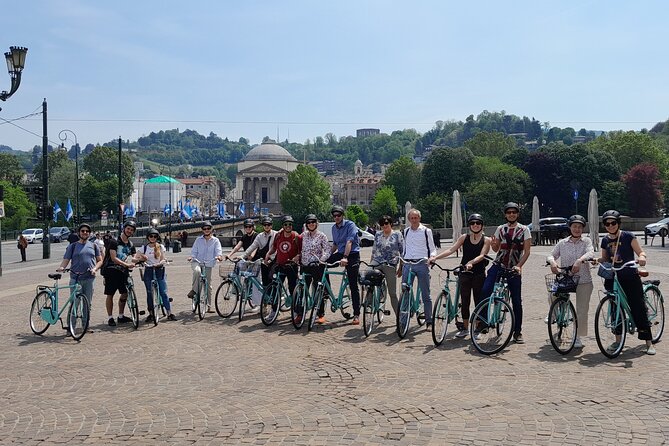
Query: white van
(366,239)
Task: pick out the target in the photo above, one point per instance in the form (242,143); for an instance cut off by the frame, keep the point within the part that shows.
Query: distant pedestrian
(168,241)
(22,245)
(184,238)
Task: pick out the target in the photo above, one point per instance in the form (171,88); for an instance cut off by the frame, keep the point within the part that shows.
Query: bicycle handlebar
(630,264)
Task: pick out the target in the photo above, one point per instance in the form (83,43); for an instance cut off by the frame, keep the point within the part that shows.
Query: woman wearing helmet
(619,247)
(475,246)
(153,254)
(315,249)
(247,239)
(386,252)
(575,251)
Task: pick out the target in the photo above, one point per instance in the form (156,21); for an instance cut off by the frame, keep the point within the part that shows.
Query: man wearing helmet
(247,239)
(287,246)
(575,251)
(512,241)
(475,246)
(86,259)
(118,263)
(261,246)
(346,250)
(206,249)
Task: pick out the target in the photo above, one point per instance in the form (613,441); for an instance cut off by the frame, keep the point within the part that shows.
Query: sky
(299,69)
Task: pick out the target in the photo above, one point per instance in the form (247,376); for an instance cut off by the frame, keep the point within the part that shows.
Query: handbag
(603,272)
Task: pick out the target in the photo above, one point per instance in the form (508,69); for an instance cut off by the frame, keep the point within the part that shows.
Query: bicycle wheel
(298,311)
(491,326)
(200,298)
(133,307)
(562,325)
(404,314)
(610,327)
(318,299)
(382,291)
(346,304)
(227,296)
(78,317)
(369,307)
(440,319)
(420,314)
(655,311)
(269,306)
(41,302)
(157,303)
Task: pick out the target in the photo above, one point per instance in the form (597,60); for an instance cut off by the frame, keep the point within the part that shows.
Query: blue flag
(167,210)
(186,211)
(242,209)
(575,194)
(56,210)
(68,211)
(255,209)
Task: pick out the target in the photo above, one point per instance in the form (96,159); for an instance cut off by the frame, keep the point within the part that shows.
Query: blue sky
(305,68)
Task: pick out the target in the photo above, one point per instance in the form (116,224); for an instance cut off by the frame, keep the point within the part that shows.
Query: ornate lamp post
(16,61)
(63,137)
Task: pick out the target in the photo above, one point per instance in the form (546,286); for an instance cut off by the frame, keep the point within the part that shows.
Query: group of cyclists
(394,253)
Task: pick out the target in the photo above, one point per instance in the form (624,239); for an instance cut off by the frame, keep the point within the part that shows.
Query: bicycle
(447,306)
(492,316)
(614,318)
(562,320)
(339,301)
(201,301)
(155,294)
(236,290)
(410,303)
(274,294)
(302,300)
(44,310)
(374,291)
(131,301)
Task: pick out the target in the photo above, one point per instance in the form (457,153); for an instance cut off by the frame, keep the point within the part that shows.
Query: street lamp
(16,61)
(63,137)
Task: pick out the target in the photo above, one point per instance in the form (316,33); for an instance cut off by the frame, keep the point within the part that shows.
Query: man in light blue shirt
(206,249)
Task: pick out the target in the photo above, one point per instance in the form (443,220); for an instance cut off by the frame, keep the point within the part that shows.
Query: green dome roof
(161,179)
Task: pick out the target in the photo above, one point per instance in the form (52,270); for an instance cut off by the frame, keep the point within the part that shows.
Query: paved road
(223,382)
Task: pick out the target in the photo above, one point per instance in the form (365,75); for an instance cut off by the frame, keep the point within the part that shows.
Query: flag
(255,209)
(186,211)
(133,211)
(56,210)
(68,211)
(167,210)
(242,209)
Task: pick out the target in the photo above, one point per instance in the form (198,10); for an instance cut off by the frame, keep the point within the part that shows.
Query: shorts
(115,281)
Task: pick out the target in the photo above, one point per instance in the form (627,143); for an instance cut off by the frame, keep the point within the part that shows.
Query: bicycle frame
(337,300)
(408,285)
(53,314)
(452,303)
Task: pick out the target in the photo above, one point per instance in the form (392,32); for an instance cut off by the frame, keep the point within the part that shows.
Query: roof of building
(161,179)
(269,151)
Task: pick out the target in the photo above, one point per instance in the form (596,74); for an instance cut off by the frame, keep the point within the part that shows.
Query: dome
(269,151)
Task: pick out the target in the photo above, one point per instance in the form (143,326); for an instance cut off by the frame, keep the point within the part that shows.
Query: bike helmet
(511,205)
(84,225)
(337,210)
(475,217)
(611,215)
(287,219)
(152,231)
(266,220)
(310,218)
(576,219)
(249,222)
(130,223)
(206,224)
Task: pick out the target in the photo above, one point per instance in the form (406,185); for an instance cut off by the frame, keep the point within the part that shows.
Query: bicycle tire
(269,306)
(227,297)
(200,305)
(380,315)
(345,304)
(608,316)
(655,311)
(157,303)
(298,311)
(562,325)
(42,301)
(78,317)
(318,298)
(369,306)
(133,307)
(440,319)
(488,326)
(404,314)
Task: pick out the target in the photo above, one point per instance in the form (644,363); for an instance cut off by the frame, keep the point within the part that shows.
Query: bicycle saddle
(655,282)
(55,276)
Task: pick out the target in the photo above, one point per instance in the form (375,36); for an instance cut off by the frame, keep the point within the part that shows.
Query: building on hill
(361,133)
(261,175)
(358,188)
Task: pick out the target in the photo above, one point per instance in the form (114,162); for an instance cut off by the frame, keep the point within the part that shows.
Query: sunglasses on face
(248,227)
(153,236)
(311,222)
(336,215)
(610,223)
(475,223)
(85,231)
(287,225)
(386,223)
(267,224)
(511,212)
(206,229)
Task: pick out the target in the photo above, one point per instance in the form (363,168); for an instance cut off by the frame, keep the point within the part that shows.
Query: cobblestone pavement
(219,381)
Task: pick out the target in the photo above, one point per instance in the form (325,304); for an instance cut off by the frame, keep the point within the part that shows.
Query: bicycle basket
(248,268)
(225,269)
(372,277)
(561,283)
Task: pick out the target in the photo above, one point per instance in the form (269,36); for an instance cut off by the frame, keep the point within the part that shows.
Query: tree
(403,175)
(495,144)
(357,215)
(18,208)
(644,190)
(431,208)
(102,165)
(613,196)
(306,193)
(384,203)
(445,170)
(10,169)
(632,148)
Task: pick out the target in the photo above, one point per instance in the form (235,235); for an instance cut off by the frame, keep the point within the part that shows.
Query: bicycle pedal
(347,315)
(386,312)
(142,313)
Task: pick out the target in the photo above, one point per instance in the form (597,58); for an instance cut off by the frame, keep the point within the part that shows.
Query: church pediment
(262,168)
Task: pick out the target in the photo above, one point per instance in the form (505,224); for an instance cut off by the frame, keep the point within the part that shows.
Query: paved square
(219,381)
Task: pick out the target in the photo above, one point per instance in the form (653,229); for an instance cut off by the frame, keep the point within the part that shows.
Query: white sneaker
(546,320)
(461,334)
(477,336)
(254,310)
(651,350)
(578,343)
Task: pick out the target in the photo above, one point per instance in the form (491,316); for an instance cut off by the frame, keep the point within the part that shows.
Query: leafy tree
(613,195)
(384,203)
(306,192)
(644,190)
(431,208)
(357,215)
(100,195)
(403,175)
(632,148)
(10,169)
(18,207)
(102,165)
(445,170)
(516,157)
(495,144)
(55,159)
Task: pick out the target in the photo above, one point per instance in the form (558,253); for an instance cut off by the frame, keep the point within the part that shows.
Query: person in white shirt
(260,247)
(419,245)
(153,255)
(206,249)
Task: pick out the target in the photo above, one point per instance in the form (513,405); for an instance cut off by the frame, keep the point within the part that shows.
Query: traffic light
(40,212)
(38,194)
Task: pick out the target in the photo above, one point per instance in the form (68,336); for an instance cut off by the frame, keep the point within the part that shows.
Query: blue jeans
(86,288)
(162,287)
(423,274)
(514,283)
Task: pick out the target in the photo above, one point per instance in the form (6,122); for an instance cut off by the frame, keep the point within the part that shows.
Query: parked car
(552,227)
(660,228)
(366,239)
(33,235)
(58,233)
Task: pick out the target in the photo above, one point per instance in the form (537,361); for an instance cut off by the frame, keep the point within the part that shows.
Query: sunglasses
(85,231)
(153,236)
(267,224)
(286,225)
(385,223)
(248,227)
(206,229)
(336,215)
(610,223)
(511,212)
(475,223)
(311,222)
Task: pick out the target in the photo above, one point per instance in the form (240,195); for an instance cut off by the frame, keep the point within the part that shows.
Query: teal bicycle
(275,296)
(44,311)
(410,302)
(338,301)
(158,305)
(202,298)
(236,290)
(562,320)
(303,299)
(613,317)
(491,323)
(373,288)
(447,306)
